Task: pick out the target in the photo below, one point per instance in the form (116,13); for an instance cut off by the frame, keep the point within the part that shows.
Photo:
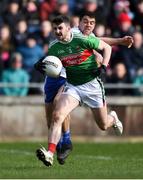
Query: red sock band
(52,147)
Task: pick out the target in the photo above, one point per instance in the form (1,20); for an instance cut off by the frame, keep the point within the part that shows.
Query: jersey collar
(66,42)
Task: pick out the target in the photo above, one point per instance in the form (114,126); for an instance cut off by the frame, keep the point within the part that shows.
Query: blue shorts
(51,87)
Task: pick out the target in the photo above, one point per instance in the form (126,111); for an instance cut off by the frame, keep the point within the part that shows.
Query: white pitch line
(13,151)
(94,157)
(106,158)
(97,157)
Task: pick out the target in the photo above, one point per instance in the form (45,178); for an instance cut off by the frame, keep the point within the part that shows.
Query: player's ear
(69,28)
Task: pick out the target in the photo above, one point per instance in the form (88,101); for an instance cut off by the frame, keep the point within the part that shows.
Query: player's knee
(57,117)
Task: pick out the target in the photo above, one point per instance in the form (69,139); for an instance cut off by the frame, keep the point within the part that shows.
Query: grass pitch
(87,161)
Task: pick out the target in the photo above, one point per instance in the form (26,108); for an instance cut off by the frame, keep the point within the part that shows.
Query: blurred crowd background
(25,33)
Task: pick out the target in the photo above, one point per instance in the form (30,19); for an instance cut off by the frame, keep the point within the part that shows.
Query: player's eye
(60,28)
(92,22)
(85,22)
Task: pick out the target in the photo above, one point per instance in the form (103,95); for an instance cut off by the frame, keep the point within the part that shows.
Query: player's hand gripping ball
(50,66)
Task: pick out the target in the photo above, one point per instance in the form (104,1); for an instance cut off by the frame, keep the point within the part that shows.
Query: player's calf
(63,152)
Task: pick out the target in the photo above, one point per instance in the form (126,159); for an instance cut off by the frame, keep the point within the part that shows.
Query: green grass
(87,161)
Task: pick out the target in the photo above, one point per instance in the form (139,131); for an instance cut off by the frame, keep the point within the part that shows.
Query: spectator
(46,8)
(3,6)
(105,6)
(13,14)
(32,15)
(21,33)
(6,46)
(44,35)
(134,56)
(30,51)
(100,30)
(119,76)
(125,26)
(138,20)
(138,81)
(75,21)
(15,74)
(92,6)
(72,5)
(62,8)
(36,77)
(121,6)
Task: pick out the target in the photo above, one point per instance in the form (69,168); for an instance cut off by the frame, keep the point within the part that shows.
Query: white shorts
(91,93)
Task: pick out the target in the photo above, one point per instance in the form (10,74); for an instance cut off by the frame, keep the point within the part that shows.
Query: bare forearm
(124,41)
(106,55)
(112,41)
(106,48)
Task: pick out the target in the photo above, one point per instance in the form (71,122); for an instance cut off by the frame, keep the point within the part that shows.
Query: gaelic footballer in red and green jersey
(77,57)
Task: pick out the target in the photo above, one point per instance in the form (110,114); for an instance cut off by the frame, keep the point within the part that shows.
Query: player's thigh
(100,115)
(52,87)
(58,94)
(48,111)
(66,123)
(65,104)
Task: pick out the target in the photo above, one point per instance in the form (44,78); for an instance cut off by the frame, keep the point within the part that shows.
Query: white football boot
(118,127)
(45,156)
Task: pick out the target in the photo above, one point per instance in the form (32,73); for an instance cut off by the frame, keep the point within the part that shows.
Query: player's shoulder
(75,30)
(53,43)
(92,35)
(78,36)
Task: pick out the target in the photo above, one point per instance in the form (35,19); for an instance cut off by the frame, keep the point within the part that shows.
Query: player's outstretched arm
(124,41)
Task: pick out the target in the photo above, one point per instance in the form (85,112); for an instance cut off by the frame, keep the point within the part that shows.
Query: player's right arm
(40,65)
(124,41)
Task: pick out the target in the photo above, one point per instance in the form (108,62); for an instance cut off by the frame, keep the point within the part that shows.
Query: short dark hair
(61,19)
(90,14)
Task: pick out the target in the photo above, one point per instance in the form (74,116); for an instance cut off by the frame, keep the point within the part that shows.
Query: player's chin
(60,38)
(87,32)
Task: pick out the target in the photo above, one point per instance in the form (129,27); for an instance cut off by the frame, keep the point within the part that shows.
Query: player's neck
(68,37)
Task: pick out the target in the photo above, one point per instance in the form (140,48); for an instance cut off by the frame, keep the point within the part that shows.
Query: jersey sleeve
(53,49)
(51,52)
(91,42)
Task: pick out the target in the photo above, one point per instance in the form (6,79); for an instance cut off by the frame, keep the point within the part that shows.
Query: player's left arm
(95,43)
(98,58)
(106,48)
(124,41)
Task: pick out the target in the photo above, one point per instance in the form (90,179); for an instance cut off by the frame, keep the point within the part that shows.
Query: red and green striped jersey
(77,57)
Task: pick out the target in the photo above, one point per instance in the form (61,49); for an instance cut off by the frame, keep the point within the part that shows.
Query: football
(53,66)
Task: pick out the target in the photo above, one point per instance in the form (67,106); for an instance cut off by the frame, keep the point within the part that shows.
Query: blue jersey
(51,87)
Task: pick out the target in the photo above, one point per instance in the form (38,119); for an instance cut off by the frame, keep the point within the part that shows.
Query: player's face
(87,25)
(61,31)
